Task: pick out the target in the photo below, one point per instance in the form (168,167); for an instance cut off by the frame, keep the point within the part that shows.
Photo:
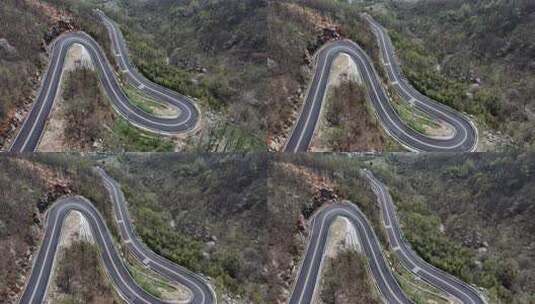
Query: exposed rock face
(59,189)
(63,25)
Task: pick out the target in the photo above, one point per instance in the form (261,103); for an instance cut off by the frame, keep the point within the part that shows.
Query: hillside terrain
(297,29)
(29,186)
(243,219)
(204,212)
(211,51)
(475,56)
(214,51)
(27,28)
(470,215)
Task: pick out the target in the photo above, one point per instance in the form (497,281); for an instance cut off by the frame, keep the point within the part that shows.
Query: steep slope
(476,56)
(472,216)
(214,51)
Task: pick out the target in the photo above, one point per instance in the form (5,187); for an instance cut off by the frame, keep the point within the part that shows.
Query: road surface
(33,127)
(310,270)
(464,137)
(36,288)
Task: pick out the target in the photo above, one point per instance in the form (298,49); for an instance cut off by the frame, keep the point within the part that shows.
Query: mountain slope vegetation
(470,215)
(214,51)
(477,56)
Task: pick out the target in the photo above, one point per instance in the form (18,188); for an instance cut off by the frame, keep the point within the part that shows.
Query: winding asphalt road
(32,129)
(465,133)
(35,292)
(387,284)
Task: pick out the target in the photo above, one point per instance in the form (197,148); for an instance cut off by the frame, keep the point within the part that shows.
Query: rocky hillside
(296,30)
(28,185)
(27,28)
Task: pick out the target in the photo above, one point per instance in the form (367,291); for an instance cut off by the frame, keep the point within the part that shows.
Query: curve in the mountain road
(309,272)
(32,129)
(464,137)
(37,284)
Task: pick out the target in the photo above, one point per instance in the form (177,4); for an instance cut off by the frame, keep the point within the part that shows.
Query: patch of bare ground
(342,236)
(489,141)
(165,110)
(442,130)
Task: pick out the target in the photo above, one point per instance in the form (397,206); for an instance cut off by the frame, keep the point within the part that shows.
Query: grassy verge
(124,136)
(414,118)
(139,100)
(417,290)
(151,282)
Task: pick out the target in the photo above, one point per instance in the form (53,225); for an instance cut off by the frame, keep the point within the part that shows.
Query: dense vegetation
(211,50)
(351,122)
(473,55)
(482,233)
(346,280)
(83,108)
(204,212)
(80,278)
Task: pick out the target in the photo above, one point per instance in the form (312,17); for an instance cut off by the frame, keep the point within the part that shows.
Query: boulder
(6,49)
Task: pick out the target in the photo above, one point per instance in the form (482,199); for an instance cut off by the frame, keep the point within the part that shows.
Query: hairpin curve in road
(32,129)
(465,134)
(391,292)
(36,288)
